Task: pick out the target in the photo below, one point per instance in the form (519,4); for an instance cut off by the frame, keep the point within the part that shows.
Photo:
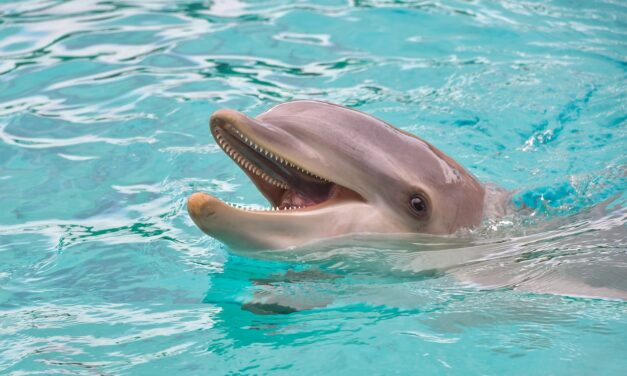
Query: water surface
(103,135)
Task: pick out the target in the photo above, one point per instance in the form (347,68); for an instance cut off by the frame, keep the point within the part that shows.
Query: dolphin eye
(418,204)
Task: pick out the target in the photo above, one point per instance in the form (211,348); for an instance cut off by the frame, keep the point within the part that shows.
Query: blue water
(103,135)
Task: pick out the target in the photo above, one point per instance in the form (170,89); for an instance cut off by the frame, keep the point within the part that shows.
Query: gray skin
(376,169)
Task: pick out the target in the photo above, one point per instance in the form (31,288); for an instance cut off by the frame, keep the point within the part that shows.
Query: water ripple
(103,136)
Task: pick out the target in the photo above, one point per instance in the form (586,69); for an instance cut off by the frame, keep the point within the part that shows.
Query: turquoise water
(103,135)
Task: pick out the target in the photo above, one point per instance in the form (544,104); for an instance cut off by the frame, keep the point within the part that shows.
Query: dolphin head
(327,171)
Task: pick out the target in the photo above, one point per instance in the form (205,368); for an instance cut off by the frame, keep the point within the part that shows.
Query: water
(103,135)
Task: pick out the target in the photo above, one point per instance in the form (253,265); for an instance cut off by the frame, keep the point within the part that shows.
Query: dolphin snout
(199,205)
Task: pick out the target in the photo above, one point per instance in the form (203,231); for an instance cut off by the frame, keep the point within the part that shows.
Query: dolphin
(328,171)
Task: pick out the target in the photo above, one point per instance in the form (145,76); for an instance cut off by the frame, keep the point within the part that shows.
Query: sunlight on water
(103,135)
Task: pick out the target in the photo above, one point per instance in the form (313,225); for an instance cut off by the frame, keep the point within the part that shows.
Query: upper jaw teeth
(242,161)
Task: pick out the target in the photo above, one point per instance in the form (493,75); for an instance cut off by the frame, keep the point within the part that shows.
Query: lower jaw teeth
(260,208)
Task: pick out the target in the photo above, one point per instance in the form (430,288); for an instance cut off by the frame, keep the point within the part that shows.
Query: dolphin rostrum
(327,171)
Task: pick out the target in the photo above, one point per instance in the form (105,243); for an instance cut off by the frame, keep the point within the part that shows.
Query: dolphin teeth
(250,166)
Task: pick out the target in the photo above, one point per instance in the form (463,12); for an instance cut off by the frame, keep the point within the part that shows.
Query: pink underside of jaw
(286,185)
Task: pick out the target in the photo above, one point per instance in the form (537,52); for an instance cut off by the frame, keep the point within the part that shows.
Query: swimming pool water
(103,135)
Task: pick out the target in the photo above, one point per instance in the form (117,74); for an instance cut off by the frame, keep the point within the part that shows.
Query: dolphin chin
(326,171)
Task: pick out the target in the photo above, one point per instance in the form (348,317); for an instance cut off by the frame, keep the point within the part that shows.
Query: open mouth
(285,184)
